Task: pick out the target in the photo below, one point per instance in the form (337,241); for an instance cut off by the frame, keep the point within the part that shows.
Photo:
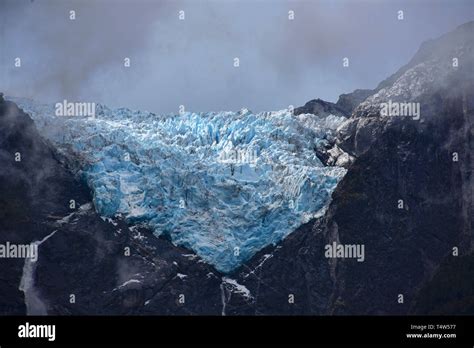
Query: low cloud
(190,62)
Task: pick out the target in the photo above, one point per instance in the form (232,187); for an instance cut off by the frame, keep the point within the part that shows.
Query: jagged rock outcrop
(438,66)
(330,154)
(321,108)
(349,101)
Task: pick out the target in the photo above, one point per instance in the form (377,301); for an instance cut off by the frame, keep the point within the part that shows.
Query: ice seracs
(224,184)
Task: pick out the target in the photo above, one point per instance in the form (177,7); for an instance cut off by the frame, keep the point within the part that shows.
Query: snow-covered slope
(223,184)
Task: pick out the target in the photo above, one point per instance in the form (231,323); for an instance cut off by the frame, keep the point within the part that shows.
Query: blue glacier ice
(224,184)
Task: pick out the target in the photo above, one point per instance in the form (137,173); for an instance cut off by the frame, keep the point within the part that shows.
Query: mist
(190,62)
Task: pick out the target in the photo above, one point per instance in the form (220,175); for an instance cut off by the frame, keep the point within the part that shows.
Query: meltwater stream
(224,184)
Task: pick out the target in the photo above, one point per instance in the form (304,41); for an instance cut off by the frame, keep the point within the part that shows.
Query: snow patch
(237,288)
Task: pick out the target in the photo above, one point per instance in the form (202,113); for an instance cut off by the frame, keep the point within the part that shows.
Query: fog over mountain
(191,62)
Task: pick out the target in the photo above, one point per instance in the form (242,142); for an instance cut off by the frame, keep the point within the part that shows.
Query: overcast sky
(191,62)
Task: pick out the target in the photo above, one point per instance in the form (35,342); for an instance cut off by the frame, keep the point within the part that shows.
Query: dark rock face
(451,290)
(293,278)
(33,186)
(105,280)
(348,102)
(321,108)
(344,106)
(403,246)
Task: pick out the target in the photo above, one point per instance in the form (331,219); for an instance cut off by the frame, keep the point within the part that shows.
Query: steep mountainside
(33,186)
(348,102)
(321,108)
(408,198)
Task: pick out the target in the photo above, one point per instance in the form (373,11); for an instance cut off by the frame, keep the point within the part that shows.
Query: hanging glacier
(224,184)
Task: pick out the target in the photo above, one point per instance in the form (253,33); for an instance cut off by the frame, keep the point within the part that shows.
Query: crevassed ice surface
(224,184)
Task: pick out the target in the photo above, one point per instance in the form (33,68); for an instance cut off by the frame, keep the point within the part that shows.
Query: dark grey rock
(320,107)
(348,102)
